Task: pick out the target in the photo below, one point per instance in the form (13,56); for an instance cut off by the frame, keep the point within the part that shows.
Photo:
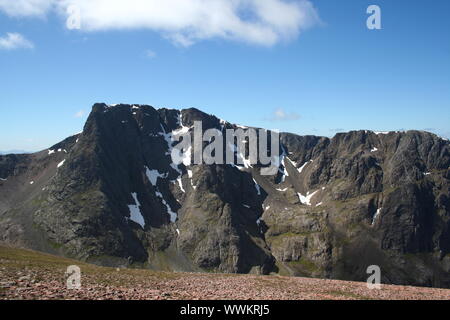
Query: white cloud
(281,115)
(261,22)
(24,8)
(79,114)
(15,41)
(150,54)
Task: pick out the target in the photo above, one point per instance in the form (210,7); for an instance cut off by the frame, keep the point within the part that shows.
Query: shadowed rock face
(111,195)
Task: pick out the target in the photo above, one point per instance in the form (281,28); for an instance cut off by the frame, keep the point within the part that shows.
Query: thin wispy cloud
(282,115)
(26,8)
(150,54)
(79,114)
(185,22)
(13,41)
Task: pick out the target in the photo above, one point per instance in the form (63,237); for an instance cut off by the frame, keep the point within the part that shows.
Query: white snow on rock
(51,152)
(153,175)
(61,163)
(377,214)
(1,179)
(246,205)
(173,215)
(267,208)
(282,190)
(190,175)
(31,182)
(183,129)
(292,162)
(180,184)
(427,173)
(304,166)
(284,171)
(135,211)
(187,157)
(306,199)
(319,204)
(374,150)
(169,137)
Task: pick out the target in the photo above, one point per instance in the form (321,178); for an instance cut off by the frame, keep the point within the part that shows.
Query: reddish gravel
(29,275)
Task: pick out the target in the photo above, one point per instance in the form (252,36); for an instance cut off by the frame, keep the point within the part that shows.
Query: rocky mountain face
(112,195)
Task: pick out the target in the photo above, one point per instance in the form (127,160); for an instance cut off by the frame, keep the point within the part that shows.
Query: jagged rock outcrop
(112,195)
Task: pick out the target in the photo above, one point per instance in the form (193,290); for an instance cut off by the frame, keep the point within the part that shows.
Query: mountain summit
(112,195)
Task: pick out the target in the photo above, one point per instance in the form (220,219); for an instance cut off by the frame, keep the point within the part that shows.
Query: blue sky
(296,73)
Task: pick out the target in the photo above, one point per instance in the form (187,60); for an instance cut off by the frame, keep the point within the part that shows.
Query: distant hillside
(14,152)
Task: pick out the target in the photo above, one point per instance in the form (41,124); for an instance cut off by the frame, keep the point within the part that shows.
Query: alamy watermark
(374,281)
(374,20)
(73,275)
(251,148)
(73,21)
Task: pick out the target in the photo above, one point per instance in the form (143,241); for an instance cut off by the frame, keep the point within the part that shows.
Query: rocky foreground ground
(27,274)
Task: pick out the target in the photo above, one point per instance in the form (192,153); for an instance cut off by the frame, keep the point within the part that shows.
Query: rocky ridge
(111,195)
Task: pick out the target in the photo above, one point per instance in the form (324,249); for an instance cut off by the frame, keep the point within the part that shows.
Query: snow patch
(61,163)
(377,214)
(153,175)
(180,184)
(135,211)
(306,199)
(173,215)
(169,137)
(304,166)
(284,171)
(190,175)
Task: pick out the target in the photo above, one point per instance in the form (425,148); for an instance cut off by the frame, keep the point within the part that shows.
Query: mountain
(112,196)
(14,152)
